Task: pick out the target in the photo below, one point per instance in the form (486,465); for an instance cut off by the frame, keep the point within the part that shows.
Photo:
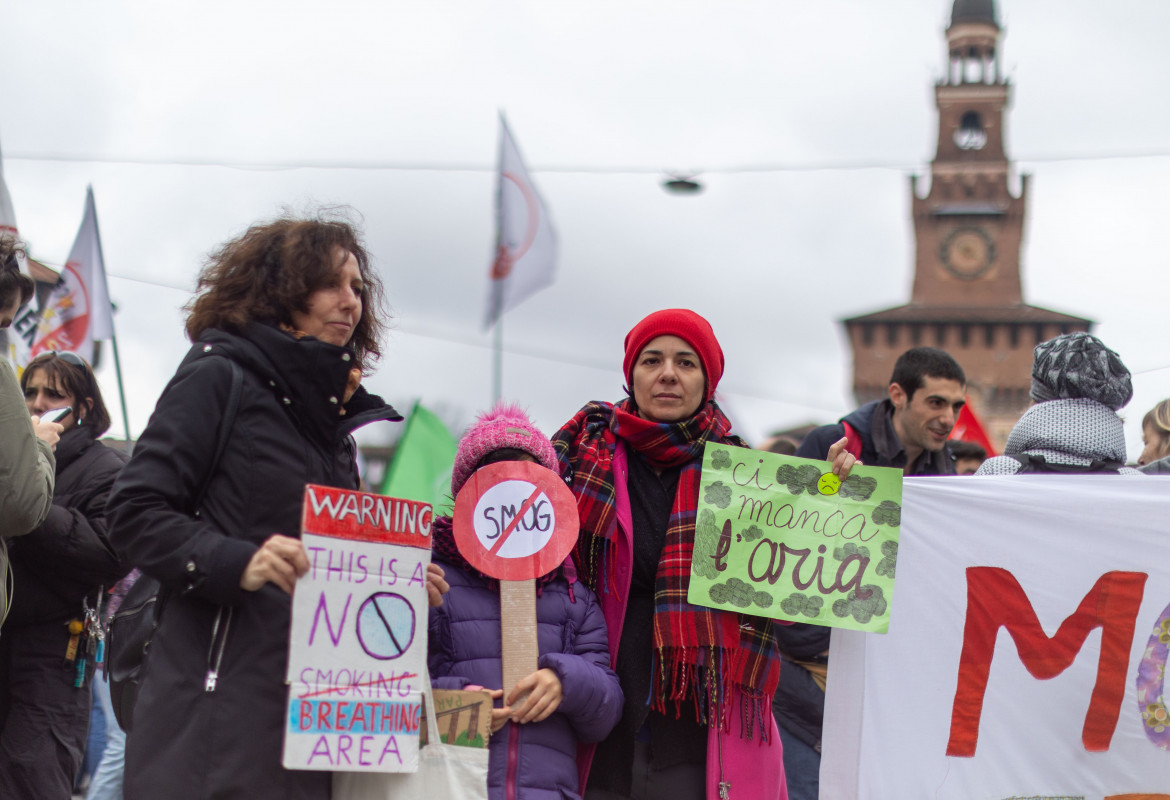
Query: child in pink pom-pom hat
(573,696)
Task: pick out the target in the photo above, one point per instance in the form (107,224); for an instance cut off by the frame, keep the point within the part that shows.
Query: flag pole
(121,391)
(97,233)
(498,289)
(498,360)
(525,244)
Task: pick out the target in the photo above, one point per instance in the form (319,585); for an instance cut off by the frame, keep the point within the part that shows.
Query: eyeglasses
(68,357)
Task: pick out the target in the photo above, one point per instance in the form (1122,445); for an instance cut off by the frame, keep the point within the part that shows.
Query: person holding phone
(48,643)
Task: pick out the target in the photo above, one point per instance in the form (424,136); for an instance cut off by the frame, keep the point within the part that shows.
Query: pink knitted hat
(504,426)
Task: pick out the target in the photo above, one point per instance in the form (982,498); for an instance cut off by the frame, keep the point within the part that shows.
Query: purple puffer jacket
(537,761)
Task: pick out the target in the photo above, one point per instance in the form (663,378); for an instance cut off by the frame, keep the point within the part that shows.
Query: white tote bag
(445,771)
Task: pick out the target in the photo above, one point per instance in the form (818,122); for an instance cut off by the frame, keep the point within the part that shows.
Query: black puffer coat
(192,739)
(55,568)
(69,556)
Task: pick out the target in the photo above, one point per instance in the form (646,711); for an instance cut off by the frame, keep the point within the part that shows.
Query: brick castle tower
(968,230)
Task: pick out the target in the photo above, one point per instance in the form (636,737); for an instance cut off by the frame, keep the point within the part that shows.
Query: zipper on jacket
(724,784)
(214,653)
(513,758)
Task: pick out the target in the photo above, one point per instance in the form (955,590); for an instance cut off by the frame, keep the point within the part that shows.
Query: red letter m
(994,599)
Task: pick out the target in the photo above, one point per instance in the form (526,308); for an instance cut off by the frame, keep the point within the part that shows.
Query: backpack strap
(852,440)
(225,429)
(1028,463)
(1038,463)
(132,629)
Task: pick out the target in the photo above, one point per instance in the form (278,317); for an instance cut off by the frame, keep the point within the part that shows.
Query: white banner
(1027,650)
(78,310)
(526,246)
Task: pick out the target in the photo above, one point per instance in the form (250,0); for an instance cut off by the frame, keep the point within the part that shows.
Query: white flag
(23,332)
(77,313)
(526,246)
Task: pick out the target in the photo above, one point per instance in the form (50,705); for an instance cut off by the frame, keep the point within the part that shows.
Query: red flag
(968,428)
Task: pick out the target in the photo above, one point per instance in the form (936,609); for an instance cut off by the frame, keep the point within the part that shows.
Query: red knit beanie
(686,325)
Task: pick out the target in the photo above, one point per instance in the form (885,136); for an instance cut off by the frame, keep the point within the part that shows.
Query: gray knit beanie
(1079,365)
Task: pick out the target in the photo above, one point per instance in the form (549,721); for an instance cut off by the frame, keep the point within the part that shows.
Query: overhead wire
(373,165)
(528,352)
(580,169)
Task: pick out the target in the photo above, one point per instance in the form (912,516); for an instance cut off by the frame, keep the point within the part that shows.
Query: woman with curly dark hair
(295,306)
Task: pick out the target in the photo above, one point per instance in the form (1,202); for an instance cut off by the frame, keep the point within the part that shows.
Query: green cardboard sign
(782,537)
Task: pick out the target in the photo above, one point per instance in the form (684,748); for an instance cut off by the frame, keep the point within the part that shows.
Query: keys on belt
(86,641)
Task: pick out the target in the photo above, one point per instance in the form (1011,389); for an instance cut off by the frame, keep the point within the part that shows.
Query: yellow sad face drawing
(828,484)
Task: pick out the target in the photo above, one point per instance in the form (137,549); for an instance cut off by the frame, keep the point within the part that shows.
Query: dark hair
(78,381)
(783,445)
(12,280)
(913,366)
(271,270)
(505,454)
(962,449)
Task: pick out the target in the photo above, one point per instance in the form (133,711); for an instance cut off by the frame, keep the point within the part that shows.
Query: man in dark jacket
(907,430)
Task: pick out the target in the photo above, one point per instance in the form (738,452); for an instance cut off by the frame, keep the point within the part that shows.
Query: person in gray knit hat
(1078,385)
(1079,365)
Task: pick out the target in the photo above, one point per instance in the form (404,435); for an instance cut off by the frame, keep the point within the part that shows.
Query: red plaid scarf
(699,652)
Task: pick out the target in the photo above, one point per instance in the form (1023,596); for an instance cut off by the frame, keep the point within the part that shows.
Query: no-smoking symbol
(385,625)
(515,520)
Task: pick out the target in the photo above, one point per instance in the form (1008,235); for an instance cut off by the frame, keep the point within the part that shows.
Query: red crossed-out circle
(499,515)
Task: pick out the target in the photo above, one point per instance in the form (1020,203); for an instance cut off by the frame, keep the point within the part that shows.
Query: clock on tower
(968,231)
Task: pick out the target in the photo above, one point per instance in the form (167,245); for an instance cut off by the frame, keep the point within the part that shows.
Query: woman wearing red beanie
(698,682)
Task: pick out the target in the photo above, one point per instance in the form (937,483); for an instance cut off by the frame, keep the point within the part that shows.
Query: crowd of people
(638,694)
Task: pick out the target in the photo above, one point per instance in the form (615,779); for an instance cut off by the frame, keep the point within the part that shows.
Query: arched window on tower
(973,67)
(971,134)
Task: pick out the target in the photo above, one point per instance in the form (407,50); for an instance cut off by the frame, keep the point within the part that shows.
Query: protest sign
(516,521)
(357,650)
(464,717)
(783,537)
(1028,655)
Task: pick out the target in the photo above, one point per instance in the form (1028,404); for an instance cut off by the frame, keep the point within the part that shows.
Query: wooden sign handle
(518,645)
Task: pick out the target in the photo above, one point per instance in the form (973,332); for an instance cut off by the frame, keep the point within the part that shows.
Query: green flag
(421,469)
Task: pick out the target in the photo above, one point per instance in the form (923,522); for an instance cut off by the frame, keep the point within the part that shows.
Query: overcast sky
(187,119)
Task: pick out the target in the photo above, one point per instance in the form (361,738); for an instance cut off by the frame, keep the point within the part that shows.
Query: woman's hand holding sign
(280,560)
